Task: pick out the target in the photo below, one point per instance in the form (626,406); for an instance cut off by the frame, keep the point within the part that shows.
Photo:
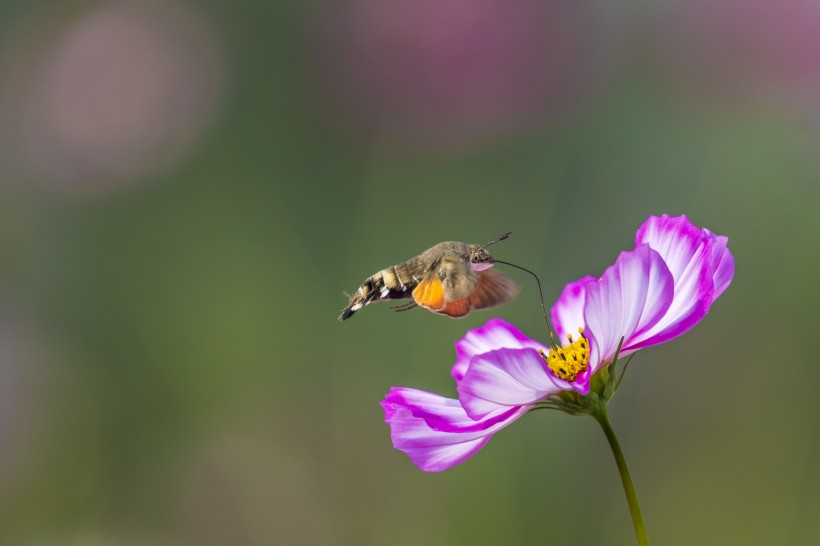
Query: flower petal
(568,311)
(435,432)
(675,239)
(506,377)
(627,301)
(496,334)
(689,255)
(723,263)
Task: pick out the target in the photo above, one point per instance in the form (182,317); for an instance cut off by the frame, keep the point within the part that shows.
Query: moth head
(480,259)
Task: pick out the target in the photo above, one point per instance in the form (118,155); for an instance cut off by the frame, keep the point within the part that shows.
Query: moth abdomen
(392,284)
(387,284)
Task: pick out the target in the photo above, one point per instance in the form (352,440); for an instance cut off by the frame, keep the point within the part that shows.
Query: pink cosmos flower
(651,294)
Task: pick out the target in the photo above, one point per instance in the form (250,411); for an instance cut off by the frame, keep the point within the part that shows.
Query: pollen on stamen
(568,368)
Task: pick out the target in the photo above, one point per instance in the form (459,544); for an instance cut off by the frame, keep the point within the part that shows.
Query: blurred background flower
(98,96)
(744,49)
(187,188)
(434,73)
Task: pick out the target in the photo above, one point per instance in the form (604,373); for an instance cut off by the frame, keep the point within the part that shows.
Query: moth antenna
(553,342)
(497,240)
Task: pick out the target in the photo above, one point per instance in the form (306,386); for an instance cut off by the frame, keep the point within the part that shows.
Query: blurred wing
(457,278)
(429,293)
(455,309)
(494,289)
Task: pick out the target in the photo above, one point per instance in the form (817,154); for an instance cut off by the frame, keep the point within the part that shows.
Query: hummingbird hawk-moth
(448,279)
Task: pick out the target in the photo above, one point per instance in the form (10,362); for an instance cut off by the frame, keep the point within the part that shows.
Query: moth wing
(494,289)
(457,278)
(429,293)
(456,308)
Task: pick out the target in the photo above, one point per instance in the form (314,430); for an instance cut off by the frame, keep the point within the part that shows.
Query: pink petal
(688,254)
(568,311)
(504,378)
(496,334)
(438,458)
(435,432)
(627,301)
(675,239)
(722,263)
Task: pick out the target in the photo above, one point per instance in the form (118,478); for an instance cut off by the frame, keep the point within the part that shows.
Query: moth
(449,279)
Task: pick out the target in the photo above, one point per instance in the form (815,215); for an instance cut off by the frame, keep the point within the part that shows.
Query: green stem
(632,498)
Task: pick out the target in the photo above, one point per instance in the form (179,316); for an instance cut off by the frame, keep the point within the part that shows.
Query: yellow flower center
(568,361)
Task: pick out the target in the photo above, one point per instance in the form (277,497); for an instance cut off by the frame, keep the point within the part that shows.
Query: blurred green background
(188,189)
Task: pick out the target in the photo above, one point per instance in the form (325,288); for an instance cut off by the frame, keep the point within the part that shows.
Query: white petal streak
(628,300)
(435,432)
(675,239)
(496,334)
(507,377)
(568,311)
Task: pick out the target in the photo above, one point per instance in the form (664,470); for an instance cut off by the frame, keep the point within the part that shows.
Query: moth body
(446,279)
